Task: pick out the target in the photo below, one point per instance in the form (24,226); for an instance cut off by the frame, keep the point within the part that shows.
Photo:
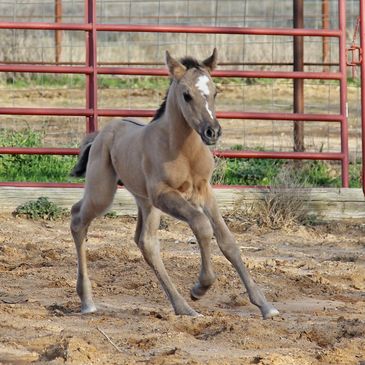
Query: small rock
(192,241)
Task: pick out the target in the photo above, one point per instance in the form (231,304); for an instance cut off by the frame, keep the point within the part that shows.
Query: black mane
(188,62)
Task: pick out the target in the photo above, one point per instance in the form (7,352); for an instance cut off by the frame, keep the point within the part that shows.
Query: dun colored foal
(167,166)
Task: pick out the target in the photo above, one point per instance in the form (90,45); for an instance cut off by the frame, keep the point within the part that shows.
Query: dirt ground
(314,275)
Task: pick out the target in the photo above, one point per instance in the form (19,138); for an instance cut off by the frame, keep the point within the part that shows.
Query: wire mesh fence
(241,52)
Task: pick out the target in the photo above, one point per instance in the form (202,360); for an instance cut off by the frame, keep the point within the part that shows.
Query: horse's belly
(127,161)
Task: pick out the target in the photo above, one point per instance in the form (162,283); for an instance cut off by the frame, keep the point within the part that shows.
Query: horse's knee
(76,207)
(79,222)
(75,216)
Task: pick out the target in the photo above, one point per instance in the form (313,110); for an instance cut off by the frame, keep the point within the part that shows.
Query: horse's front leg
(228,246)
(146,238)
(173,203)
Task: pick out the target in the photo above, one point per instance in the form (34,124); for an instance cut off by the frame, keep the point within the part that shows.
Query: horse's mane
(188,62)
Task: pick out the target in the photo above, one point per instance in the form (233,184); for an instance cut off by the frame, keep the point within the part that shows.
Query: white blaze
(208,110)
(202,85)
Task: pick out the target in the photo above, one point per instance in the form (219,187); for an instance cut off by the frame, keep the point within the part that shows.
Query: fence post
(58,33)
(343,94)
(325,40)
(91,61)
(298,102)
(362,76)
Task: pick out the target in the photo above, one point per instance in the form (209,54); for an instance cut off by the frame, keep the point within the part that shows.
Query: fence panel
(91,70)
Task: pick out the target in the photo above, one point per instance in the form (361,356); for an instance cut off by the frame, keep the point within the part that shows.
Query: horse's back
(124,130)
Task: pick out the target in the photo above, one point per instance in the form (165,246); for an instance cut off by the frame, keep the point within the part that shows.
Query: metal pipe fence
(91,69)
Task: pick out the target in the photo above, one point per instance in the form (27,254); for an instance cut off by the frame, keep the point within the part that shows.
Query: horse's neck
(182,138)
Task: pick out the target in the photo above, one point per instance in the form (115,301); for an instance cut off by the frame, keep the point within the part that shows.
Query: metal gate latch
(354,52)
(353,55)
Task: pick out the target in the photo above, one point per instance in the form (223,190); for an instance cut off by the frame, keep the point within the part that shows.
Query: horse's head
(195,94)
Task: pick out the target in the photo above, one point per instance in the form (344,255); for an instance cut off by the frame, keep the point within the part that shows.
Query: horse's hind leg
(100,188)
(79,226)
(148,243)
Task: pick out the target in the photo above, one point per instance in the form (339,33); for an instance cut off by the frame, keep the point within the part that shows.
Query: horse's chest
(194,190)
(190,178)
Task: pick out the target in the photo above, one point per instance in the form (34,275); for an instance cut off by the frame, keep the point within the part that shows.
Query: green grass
(135,82)
(79,81)
(264,172)
(249,172)
(46,80)
(37,168)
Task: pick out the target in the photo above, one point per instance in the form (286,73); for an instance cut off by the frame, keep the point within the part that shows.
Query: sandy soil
(315,276)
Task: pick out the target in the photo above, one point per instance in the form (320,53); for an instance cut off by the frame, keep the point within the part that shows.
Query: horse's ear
(176,69)
(211,62)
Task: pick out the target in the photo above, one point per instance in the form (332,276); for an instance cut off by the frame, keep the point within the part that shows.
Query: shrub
(42,208)
(285,203)
(283,206)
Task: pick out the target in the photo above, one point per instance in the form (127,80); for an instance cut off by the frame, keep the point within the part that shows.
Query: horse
(167,166)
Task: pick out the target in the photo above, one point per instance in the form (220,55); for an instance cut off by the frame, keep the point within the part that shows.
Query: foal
(167,166)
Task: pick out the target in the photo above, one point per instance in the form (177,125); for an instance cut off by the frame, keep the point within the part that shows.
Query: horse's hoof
(194,296)
(197,292)
(88,308)
(188,312)
(195,314)
(269,311)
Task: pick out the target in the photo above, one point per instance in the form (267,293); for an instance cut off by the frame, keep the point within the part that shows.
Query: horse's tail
(80,167)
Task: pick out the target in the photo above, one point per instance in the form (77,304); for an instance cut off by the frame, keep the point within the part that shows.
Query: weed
(318,173)
(355,175)
(246,171)
(219,172)
(112,214)
(285,203)
(41,208)
(283,206)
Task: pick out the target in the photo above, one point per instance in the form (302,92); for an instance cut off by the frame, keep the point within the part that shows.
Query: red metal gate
(362,66)
(91,70)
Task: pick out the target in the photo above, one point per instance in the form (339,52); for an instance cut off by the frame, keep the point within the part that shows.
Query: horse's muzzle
(210,134)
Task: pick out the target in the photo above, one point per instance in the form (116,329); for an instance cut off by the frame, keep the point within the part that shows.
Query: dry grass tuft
(283,205)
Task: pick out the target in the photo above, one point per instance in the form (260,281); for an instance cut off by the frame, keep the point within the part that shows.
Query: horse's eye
(187,97)
(215,94)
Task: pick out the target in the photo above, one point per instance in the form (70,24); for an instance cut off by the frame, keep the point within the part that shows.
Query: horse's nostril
(209,132)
